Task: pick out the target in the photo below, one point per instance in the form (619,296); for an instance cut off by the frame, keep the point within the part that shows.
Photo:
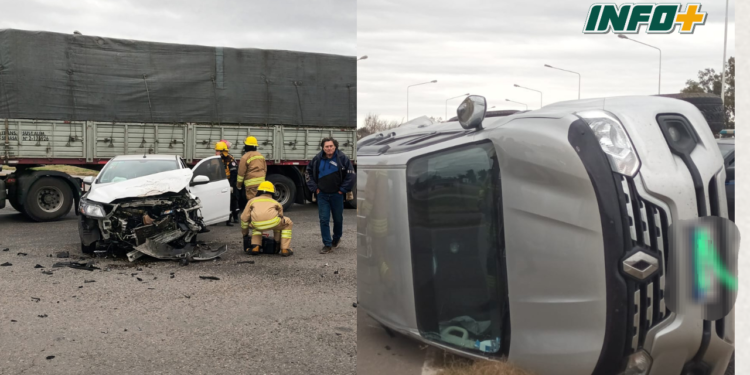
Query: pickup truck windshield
(123,170)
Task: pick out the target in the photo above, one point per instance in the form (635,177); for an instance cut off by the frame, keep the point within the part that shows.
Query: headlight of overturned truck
(92,209)
(613,140)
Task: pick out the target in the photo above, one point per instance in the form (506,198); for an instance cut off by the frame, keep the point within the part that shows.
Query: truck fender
(25,180)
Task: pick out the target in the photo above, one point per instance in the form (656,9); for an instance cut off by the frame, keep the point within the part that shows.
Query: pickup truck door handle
(225,190)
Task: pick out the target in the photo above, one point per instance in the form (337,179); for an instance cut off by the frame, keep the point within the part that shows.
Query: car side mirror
(200,180)
(472,111)
(88,180)
(730,174)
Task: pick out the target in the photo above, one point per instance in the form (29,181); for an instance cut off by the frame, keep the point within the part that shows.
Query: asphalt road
(276,316)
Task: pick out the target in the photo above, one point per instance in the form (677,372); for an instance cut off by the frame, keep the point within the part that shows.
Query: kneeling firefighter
(264,213)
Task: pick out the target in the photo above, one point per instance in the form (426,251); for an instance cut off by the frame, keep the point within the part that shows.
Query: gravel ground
(276,316)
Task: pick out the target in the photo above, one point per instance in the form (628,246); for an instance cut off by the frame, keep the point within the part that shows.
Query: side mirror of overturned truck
(553,238)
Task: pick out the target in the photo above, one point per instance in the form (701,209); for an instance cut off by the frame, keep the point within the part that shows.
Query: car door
(215,194)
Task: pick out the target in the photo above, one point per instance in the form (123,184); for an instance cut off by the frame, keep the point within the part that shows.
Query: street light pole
(525,105)
(407,95)
(541,96)
(621,36)
(724,57)
(569,71)
(446,104)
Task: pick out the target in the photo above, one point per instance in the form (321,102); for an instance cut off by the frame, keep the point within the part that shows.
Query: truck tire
(710,106)
(285,188)
(352,203)
(48,199)
(14,203)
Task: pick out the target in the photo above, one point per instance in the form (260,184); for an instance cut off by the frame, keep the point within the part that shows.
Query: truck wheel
(48,199)
(352,203)
(14,203)
(285,188)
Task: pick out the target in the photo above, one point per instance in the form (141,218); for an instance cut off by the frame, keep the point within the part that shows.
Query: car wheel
(48,199)
(88,249)
(286,190)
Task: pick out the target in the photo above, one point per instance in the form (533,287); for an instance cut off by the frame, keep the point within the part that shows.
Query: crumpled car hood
(146,186)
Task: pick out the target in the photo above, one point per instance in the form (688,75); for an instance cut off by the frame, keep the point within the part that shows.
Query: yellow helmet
(266,186)
(221,146)
(251,141)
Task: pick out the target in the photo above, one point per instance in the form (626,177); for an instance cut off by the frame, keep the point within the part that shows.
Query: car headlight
(613,140)
(639,363)
(92,209)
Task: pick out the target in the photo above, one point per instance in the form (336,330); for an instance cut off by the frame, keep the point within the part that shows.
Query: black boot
(229,222)
(236,217)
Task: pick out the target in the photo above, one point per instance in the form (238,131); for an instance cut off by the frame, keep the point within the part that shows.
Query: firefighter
(264,213)
(230,168)
(252,168)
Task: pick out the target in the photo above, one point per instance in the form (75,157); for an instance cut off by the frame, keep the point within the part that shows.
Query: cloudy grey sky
(325,26)
(484,47)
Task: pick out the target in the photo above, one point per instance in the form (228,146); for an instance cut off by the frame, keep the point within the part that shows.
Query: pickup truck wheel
(48,199)
(285,190)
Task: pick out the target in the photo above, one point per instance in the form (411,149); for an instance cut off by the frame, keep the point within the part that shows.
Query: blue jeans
(327,204)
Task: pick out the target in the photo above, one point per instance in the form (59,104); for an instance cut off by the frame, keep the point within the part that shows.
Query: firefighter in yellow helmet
(264,213)
(252,168)
(230,168)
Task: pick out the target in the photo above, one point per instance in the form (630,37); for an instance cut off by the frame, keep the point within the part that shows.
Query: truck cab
(543,237)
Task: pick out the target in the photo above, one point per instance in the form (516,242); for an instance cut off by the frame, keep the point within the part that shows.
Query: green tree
(709,81)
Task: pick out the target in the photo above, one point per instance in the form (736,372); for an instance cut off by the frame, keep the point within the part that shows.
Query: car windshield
(726,148)
(123,170)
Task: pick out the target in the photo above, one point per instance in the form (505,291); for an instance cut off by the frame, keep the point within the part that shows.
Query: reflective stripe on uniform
(267,224)
(286,233)
(254,181)
(244,225)
(240,178)
(257,233)
(255,158)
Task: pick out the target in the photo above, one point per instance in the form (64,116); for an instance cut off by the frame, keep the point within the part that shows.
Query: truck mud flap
(160,250)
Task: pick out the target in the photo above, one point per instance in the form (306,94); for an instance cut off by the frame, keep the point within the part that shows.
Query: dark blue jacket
(346,170)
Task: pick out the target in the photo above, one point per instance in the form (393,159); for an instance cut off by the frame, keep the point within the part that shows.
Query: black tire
(88,249)
(14,203)
(48,199)
(286,190)
(352,203)
(710,106)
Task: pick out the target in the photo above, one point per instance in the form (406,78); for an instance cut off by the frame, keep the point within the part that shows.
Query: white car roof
(147,156)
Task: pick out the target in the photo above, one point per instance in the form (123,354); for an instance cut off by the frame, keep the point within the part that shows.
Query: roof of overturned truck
(69,77)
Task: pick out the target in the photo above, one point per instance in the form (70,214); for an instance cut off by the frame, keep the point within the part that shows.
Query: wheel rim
(282,193)
(50,199)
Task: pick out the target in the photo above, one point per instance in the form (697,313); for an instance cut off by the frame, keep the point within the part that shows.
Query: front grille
(648,224)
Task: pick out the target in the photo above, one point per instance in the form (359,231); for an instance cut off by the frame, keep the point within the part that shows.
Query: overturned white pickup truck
(154,205)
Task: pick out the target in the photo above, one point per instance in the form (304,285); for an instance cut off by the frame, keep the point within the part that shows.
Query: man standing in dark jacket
(330,176)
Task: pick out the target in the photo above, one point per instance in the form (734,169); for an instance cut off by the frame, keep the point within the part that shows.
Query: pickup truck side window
(458,250)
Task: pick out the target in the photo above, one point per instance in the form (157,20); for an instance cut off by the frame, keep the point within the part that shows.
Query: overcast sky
(325,26)
(484,47)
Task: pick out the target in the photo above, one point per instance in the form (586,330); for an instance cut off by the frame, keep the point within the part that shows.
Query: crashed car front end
(163,226)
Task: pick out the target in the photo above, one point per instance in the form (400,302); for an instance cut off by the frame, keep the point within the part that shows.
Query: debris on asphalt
(63,254)
(184,262)
(154,277)
(139,279)
(387,347)
(38,266)
(35,299)
(133,274)
(77,265)
(186,296)
(89,281)
(336,272)
(47,272)
(126,329)
(6,264)
(50,357)
(6,249)
(42,316)
(22,254)
(209,278)
(139,269)
(354,305)
(246,262)
(13,321)
(80,287)
(151,288)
